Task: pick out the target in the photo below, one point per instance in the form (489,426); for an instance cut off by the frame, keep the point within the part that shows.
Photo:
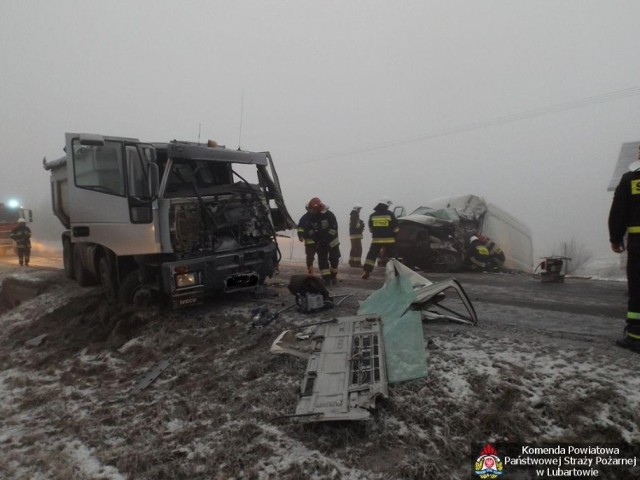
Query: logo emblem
(488,464)
(635,187)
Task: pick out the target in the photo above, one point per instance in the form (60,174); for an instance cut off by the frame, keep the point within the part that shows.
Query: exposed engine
(220,222)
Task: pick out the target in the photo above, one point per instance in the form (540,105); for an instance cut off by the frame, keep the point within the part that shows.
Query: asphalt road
(575,295)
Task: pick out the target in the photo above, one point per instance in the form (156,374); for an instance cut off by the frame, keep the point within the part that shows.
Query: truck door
(101,209)
(271,184)
(141,181)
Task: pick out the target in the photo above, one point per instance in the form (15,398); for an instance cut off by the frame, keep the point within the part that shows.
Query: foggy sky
(507,99)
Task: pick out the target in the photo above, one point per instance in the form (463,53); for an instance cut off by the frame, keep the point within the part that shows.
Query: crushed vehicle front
(221,223)
(431,239)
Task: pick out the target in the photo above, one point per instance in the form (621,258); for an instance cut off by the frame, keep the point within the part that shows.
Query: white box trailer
(177,219)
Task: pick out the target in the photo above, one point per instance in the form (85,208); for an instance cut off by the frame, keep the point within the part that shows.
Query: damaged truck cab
(179,219)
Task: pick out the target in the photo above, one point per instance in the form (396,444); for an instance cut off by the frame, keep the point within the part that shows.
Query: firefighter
(356,227)
(384,229)
(624,217)
(306,235)
(496,255)
(22,236)
(323,228)
(477,255)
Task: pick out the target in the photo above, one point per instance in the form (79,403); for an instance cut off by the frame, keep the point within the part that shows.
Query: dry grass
(215,412)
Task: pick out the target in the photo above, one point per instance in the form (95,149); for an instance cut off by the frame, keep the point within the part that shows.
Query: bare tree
(576,252)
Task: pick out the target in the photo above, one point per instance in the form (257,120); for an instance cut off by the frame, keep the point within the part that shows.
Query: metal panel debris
(346,371)
(351,360)
(150,376)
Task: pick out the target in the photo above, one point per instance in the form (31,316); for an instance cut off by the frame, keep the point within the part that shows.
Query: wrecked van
(435,237)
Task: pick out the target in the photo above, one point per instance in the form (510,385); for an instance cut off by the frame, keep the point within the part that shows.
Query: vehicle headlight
(186,280)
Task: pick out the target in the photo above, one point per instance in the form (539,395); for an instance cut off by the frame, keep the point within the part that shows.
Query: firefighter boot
(629,341)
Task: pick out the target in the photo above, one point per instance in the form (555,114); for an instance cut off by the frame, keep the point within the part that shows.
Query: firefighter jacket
(477,255)
(356,226)
(495,252)
(383,225)
(304,230)
(323,228)
(22,236)
(624,216)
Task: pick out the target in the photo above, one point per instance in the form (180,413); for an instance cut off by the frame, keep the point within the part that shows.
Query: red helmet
(315,204)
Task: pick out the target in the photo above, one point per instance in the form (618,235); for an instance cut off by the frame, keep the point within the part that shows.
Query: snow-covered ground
(524,374)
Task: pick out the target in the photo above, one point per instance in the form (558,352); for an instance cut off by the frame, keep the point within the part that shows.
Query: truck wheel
(83,277)
(107,278)
(133,292)
(67,259)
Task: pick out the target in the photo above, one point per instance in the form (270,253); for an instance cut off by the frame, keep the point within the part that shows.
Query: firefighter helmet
(386,201)
(22,220)
(357,206)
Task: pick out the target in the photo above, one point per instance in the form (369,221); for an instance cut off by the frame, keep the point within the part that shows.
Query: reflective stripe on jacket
(383,225)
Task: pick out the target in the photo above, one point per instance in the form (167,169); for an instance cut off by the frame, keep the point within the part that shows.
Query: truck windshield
(9,215)
(205,176)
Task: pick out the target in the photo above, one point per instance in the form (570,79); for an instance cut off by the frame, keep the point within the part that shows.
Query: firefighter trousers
(374,253)
(24,253)
(633,282)
(355,255)
(328,258)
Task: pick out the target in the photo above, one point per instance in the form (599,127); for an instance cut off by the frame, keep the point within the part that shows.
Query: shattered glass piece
(293,344)
(401,326)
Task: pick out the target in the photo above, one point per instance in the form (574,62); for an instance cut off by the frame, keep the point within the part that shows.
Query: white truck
(176,219)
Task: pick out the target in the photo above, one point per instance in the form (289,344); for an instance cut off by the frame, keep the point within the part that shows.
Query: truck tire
(67,259)
(133,292)
(106,272)
(83,277)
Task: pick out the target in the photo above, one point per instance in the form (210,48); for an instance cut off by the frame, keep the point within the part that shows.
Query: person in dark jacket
(477,255)
(496,255)
(309,238)
(624,218)
(384,229)
(22,236)
(323,228)
(356,227)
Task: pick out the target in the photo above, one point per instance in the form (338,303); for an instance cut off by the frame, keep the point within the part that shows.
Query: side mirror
(30,216)
(154,180)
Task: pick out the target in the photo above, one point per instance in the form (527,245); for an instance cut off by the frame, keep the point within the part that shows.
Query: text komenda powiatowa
(559,456)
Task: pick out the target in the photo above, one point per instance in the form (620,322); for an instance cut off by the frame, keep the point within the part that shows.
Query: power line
(515,117)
